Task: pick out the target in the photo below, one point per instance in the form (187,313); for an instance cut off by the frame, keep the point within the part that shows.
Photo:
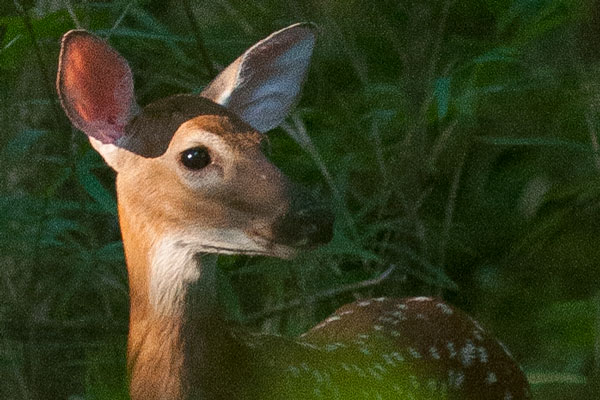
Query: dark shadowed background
(457,141)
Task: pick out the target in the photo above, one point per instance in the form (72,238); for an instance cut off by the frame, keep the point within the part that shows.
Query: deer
(192,183)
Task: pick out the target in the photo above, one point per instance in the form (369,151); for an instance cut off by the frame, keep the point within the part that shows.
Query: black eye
(195,158)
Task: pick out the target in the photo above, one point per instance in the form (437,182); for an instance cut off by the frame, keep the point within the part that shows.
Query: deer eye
(195,158)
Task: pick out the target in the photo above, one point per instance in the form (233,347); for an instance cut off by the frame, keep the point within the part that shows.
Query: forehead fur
(235,133)
(149,133)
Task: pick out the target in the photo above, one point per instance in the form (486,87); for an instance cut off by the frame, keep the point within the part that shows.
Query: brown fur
(150,132)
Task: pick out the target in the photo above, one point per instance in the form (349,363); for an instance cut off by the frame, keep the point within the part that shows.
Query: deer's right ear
(95,86)
(264,83)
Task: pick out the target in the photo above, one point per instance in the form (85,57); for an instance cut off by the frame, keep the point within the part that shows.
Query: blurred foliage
(457,141)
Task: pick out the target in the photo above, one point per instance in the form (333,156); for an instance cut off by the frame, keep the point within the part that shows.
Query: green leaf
(55,228)
(549,378)
(228,297)
(21,144)
(144,35)
(341,245)
(533,141)
(104,199)
(111,252)
(441,93)
(505,54)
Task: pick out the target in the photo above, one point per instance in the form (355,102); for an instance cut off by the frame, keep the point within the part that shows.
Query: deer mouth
(245,242)
(268,249)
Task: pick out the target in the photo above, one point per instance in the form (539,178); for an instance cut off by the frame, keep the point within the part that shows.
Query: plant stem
(205,58)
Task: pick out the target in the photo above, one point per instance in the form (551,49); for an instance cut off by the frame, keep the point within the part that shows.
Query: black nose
(308,223)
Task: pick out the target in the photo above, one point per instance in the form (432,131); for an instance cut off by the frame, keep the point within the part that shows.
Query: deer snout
(308,222)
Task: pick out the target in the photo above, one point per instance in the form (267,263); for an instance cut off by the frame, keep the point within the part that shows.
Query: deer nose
(308,223)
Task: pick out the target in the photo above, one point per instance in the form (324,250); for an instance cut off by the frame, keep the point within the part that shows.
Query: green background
(457,142)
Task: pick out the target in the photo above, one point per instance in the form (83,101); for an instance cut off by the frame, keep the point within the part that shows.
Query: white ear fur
(112,154)
(264,83)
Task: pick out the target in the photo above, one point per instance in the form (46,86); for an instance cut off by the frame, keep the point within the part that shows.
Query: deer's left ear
(95,86)
(264,83)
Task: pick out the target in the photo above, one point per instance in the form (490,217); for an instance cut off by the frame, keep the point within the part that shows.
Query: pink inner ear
(96,86)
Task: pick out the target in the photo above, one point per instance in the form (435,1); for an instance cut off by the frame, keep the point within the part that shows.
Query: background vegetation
(457,141)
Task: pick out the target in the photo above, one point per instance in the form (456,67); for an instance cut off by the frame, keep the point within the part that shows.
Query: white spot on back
(307,345)
(445,308)
(467,353)
(320,325)
(476,324)
(451,349)
(413,352)
(477,335)
(359,370)
(294,370)
(388,359)
(420,298)
(491,378)
(334,346)
(505,349)
(375,374)
(455,379)
(483,355)
(380,368)
(317,375)
(333,318)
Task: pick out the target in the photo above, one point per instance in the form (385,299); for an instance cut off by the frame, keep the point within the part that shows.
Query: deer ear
(95,86)
(264,83)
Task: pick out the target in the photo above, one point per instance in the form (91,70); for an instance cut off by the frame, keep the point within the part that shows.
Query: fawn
(191,182)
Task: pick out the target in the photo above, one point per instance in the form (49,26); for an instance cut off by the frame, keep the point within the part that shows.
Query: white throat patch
(174,267)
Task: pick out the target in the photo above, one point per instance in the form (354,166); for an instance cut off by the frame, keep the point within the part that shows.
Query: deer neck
(177,337)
